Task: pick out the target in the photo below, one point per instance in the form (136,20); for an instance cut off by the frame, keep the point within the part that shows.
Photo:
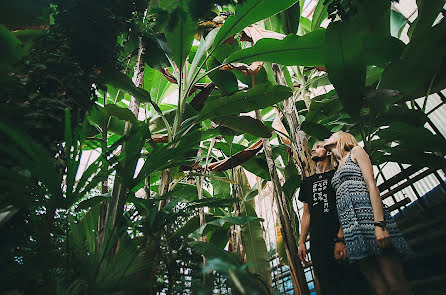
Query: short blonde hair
(346,142)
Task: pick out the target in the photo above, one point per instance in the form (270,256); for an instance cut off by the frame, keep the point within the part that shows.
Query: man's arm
(304,228)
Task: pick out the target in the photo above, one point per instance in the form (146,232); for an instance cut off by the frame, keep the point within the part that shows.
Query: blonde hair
(346,142)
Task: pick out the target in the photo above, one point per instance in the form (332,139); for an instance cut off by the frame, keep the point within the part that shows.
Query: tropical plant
(167,206)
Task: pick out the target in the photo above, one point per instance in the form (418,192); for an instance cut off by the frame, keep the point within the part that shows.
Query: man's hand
(382,237)
(302,253)
(340,251)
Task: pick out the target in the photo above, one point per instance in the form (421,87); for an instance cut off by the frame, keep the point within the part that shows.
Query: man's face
(318,152)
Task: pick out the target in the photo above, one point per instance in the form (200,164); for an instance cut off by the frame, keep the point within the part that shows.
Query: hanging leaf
(428,12)
(345,64)
(113,110)
(320,132)
(293,50)
(247,13)
(181,35)
(254,245)
(158,86)
(258,166)
(157,48)
(258,97)
(245,124)
(292,180)
(285,22)
(122,81)
(412,77)
(210,252)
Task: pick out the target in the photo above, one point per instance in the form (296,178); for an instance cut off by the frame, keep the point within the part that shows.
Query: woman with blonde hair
(372,237)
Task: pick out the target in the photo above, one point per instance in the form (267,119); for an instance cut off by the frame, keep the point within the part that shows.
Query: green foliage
(257,97)
(293,50)
(79,55)
(249,12)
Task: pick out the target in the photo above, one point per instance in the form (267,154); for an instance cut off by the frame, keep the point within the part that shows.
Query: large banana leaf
(344,58)
(428,12)
(247,13)
(181,35)
(412,77)
(158,86)
(293,50)
(254,244)
(258,97)
(285,22)
(245,124)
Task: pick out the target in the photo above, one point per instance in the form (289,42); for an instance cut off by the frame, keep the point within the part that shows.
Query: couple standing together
(344,213)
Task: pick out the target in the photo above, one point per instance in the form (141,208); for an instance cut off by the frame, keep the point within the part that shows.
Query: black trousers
(336,278)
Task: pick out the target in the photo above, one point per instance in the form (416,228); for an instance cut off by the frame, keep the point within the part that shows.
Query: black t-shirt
(318,192)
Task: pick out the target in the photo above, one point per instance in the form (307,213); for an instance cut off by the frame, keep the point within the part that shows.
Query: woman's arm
(304,228)
(362,158)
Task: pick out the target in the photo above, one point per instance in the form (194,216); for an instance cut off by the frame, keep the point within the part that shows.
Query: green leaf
(343,52)
(397,23)
(158,50)
(218,237)
(292,180)
(11,49)
(293,50)
(34,157)
(122,81)
(254,244)
(91,202)
(412,77)
(285,22)
(220,189)
(205,44)
(210,251)
(225,80)
(427,13)
(249,12)
(181,35)
(258,97)
(404,134)
(24,13)
(158,86)
(120,113)
(224,222)
(245,124)
(229,149)
(319,15)
(290,19)
(320,132)
(257,166)
(374,17)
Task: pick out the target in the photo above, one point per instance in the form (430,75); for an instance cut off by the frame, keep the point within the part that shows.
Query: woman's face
(331,142)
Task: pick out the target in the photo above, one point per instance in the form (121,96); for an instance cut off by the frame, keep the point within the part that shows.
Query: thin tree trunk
(153,245)
(300,143)
(119,191)
(288,232)
(102,221)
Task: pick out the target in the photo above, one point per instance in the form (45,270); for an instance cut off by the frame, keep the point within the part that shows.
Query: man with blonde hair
(320,218)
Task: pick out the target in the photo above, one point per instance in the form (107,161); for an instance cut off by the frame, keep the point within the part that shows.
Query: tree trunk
(288,232)
(300,143)
(153,245)
(119,191)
